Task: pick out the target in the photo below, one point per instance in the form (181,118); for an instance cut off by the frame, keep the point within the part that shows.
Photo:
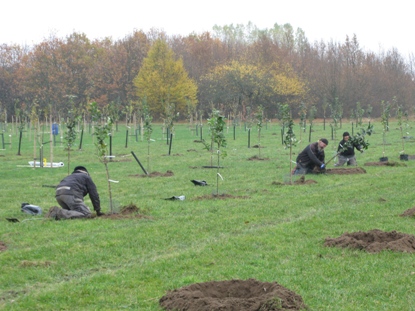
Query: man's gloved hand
(323,166)
(99,213)
(361,151)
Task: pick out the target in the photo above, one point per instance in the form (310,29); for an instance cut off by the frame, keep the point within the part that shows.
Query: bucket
(403,157)
(383,159)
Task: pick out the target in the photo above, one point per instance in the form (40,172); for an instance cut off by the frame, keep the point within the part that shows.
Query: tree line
(237,69)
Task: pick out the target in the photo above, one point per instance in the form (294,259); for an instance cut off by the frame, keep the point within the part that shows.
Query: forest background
(235,69)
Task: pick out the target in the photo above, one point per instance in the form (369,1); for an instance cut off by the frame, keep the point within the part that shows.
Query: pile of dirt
(345,170)
(3,246)
(127,211)
(374,241)
(155,174)
(408,213)
(233,295)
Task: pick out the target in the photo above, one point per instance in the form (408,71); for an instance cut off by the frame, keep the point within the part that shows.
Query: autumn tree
(237,83)
(249,85)
(162,80)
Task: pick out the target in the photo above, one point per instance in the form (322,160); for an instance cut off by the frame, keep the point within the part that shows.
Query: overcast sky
(379,25)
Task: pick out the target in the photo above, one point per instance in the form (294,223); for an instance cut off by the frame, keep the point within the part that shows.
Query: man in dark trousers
(312,156)
(70,195)
(346,151)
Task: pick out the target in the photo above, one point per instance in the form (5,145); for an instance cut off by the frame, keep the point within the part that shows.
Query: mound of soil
(256,158)
(386,163)
(3,246)
(374,241)
(345,170)
(408,213)
(233,295)
(127,211)
(155,174)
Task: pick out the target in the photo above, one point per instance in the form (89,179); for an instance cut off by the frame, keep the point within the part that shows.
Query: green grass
(273,233)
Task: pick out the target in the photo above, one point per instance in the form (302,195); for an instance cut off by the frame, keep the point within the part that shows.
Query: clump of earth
(126,211)
(408,213)
(233,295)
(374,241)
(3,246)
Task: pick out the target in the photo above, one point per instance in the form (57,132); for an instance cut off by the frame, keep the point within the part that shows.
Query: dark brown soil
(233,295)
(155,174)
(408,213)
(386,163)
(3,246)
(257,158)
(345,170)
(127,211)
(374,241)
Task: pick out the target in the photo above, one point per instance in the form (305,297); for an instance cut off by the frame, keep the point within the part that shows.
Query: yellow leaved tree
(163,81)
(239,85)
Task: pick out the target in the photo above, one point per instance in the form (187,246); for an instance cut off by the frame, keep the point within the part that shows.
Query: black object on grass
(199,182)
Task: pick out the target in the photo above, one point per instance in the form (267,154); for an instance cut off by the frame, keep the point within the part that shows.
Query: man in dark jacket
(312,156)
(346,151)
(70,195)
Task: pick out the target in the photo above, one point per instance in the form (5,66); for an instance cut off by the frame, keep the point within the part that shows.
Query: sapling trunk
(403,141)
(109,185)
(217,175)
(291,164)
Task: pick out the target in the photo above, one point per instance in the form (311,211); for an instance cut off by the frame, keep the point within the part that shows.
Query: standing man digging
(70,195)
(346,151)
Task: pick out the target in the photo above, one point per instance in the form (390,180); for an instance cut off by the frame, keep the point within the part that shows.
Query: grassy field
(269,232)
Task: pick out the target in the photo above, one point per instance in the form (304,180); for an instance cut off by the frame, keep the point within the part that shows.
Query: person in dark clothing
(345,151)
(312,156)
(70,195)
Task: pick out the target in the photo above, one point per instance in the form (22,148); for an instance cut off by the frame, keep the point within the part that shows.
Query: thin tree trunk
(109,186)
